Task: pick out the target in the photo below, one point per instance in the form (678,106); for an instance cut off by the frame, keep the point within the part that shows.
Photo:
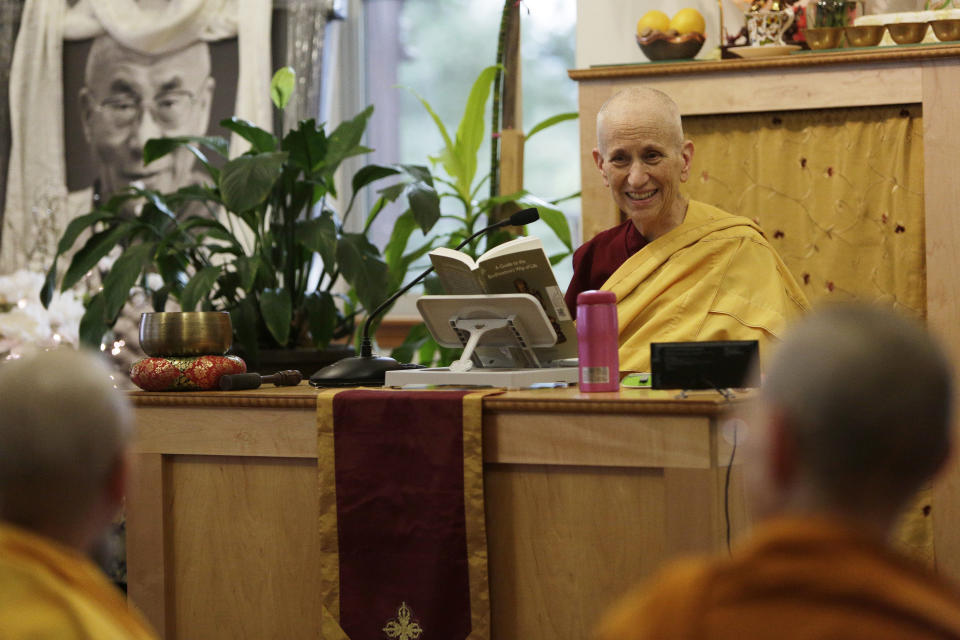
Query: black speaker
(702,365)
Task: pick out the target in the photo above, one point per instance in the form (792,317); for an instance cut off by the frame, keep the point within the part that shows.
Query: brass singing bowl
(185,333)
(865,35)
(946,30)
(907,32)
(824,37)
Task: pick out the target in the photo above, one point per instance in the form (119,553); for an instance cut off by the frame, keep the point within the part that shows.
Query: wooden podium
(585,495)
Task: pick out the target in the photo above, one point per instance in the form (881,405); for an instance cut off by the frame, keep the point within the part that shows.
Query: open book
(518,266)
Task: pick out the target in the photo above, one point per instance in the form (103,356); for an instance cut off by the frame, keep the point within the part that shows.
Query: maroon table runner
(403,543)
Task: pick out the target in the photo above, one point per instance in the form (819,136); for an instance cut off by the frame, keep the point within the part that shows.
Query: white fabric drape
(36,209)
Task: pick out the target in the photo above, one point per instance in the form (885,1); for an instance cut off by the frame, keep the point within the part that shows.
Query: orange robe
(51,591)
(796,578)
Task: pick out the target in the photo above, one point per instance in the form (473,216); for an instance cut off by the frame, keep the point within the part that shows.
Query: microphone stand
(370,370)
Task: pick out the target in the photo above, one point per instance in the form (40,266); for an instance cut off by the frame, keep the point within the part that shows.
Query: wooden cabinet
(585,495)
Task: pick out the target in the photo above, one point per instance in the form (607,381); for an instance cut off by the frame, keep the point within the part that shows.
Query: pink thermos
(597,341)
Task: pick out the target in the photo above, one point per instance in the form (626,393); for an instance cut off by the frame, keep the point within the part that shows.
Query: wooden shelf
(874,55)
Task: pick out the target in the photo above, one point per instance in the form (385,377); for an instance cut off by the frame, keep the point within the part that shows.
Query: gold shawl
(714,277)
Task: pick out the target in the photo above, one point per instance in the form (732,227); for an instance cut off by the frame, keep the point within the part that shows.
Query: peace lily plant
(266,246)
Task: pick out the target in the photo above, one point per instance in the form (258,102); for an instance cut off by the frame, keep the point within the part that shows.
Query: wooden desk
(585,494)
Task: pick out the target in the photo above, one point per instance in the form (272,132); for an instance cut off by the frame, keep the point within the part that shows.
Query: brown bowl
(907,32)
(864,35)
(185,333)
(662,46)
(946,30)
(824,37)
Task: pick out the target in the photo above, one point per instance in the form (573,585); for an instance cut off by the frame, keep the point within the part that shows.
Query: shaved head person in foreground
(682,270)
(64,450)
(854,416)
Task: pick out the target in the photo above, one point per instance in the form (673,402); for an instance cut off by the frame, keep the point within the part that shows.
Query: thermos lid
(596,297)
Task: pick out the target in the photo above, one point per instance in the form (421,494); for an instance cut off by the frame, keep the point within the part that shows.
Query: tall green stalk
(495,110)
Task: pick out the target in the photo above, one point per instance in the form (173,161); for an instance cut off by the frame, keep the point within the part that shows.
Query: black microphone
(370,370)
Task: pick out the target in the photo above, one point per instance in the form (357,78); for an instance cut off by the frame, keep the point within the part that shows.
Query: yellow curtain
(839,192)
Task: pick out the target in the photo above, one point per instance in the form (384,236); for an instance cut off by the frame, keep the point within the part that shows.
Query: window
(437,48)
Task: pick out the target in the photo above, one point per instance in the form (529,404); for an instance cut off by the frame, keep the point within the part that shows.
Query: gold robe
(50,591)
(795,579)
(714,277)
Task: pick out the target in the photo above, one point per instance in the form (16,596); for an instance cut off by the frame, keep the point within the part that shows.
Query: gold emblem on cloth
(401,628)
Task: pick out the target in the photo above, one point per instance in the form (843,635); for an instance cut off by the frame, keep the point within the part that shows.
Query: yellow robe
(51,591)
(714,277)
(796,579)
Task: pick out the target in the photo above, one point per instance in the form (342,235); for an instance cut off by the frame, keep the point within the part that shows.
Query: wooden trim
(146,511)
(600,441)
(941,124)
(569,400)
(890,55)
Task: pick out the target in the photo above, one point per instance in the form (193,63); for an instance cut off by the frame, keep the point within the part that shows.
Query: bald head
(639,104)
(63,428)
(865,396)
(105,52)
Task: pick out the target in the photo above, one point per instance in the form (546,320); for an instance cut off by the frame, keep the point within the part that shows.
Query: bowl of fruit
(677,38)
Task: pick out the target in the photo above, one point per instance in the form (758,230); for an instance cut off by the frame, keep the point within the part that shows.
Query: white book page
(516,245)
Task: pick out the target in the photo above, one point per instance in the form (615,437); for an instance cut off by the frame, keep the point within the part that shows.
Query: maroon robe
(596,260)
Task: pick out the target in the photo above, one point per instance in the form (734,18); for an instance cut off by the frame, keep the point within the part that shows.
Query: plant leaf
(345,141)
(425,205)
(282,86)
(321,316)
(470,131)
(415,338)
(402,229)
(392,192)
(246,181)
(247,267)
(448,155)
(243,317)
(277,311)
(419,173)
(159,147)
(76,227)
(99,245)
(198,287)
(49,284)
(361,266)
(307,145)
(123,275)
(260,140)
(320,235)
(92,324)
(549,122)
(551,215)
(367,175)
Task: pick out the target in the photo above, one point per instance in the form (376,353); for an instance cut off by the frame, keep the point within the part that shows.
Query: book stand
(500,336)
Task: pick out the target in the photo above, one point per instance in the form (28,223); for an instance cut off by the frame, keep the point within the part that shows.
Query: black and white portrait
(115,99)
(89,85)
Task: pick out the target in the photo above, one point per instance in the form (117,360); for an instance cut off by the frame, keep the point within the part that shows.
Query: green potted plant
(255,251)
(457,182)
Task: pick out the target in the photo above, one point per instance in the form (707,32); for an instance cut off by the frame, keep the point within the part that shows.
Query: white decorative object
(25,325)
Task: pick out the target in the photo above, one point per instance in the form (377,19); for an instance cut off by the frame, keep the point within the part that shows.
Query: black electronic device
(702,365)
(370,370)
